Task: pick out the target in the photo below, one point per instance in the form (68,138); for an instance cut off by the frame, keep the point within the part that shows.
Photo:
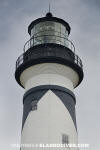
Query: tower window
(34,105)
(65,139)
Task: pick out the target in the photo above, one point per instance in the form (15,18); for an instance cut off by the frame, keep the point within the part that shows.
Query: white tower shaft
(51,116)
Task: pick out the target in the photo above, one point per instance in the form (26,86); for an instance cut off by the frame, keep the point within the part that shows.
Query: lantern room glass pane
(49,32)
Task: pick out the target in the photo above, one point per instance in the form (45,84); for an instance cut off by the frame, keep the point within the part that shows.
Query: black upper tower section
(49,43)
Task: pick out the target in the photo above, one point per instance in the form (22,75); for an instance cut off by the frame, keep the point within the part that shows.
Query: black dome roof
(49,17)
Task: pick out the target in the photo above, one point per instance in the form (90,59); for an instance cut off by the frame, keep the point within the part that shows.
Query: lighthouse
(49,69)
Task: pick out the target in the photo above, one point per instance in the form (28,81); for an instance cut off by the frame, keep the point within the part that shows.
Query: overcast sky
(84,19)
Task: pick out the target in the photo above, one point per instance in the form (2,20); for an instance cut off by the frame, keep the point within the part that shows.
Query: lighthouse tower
(49,70)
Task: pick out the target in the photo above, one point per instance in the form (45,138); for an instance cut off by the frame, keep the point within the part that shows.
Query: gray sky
(84,19)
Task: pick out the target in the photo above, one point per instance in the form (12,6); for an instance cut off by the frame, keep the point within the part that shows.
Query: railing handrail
(28,42)
(77,60)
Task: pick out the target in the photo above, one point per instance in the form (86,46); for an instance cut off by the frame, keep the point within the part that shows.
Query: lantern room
(49,29)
